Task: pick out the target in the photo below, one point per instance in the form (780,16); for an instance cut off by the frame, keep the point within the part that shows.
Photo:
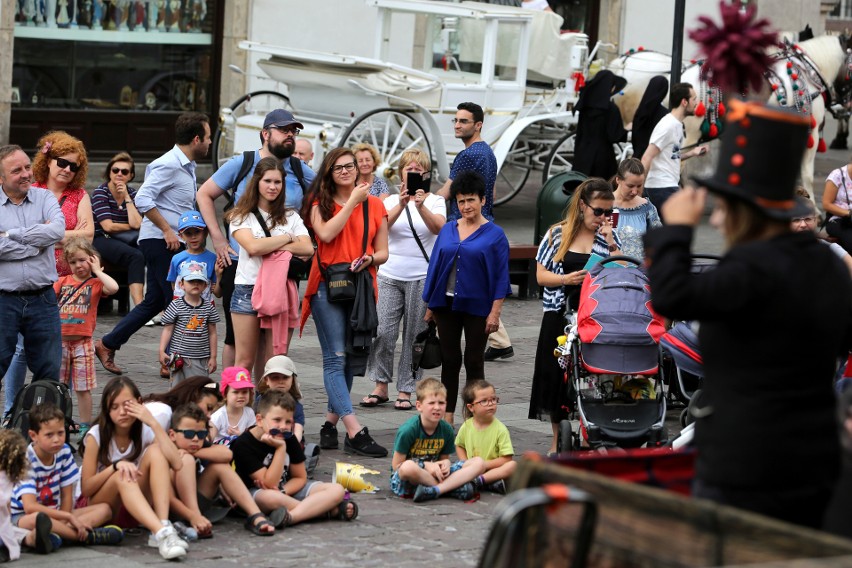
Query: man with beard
(168,190)
(278,140)
(663,156)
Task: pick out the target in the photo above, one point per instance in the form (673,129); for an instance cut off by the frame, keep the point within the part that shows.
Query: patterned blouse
(69,201)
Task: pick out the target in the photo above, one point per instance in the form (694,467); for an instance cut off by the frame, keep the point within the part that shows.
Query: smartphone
(413,182)
(614,218)
(358,262)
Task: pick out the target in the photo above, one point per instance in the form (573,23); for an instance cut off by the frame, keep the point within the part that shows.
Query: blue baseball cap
(191,219)
(280,118)
(193,271)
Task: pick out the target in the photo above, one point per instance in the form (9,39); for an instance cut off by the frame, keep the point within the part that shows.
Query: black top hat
(761,154)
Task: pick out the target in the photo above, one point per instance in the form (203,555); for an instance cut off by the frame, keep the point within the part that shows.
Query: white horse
(824,56)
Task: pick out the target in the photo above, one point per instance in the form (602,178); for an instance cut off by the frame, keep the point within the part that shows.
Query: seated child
(271,463)
(236,415)
(49,487)
(206,467)
(421,452)
(14,465)
(482,435)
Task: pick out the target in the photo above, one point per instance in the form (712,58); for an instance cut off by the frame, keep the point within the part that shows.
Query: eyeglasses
(462,121)
(598,211)
(63,163)
(348,167)
(807,220)
(190,434)
(288,131)
(122,171)
(487,401)
(280,432)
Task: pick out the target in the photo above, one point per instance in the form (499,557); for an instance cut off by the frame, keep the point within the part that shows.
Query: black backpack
(39,393)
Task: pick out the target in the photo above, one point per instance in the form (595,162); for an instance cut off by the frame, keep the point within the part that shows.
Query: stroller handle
(620,258)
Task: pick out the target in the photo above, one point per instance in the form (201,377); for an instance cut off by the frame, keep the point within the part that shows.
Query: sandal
(403,404)
(343,511)
(279,518)
(372,400)
(256,528)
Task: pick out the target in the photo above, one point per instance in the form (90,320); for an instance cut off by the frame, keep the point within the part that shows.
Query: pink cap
(237,378)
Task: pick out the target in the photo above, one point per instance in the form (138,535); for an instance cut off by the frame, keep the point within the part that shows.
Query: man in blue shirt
(278,139)
(168,190)
(479,157)
(31,223)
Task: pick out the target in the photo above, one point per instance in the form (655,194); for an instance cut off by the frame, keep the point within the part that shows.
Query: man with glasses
(479,157)
(31,223)
(278,140)
(168,191)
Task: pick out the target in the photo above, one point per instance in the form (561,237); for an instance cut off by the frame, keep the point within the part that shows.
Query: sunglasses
(190,434)
(598,211)
(63,163)
(279,432)
(122,171)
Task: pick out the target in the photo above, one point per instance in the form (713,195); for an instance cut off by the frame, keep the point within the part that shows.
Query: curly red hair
(54,145)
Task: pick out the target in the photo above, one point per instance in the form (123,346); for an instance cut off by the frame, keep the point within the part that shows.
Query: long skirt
(552,396)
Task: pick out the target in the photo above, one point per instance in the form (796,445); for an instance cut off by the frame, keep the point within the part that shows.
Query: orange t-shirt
(79,313)
(346,246)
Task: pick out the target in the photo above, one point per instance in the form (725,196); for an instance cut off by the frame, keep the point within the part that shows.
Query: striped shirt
(106,208)
(46,481)
(191,336)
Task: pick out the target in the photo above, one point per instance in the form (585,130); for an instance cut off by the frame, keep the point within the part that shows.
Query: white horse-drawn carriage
(428,57)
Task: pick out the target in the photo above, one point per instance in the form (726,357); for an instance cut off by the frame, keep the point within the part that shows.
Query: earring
(581,215)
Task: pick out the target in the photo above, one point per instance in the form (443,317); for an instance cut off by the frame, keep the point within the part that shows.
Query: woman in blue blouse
(560,268)
(468,279)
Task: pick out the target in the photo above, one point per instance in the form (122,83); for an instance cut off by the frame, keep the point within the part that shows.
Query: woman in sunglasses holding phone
(560,269)
(117,222)
(61,166)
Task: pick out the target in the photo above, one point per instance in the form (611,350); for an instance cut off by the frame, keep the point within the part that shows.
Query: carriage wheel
(514,172)
(561,158)
(565,443)
(258,103)
(391,132)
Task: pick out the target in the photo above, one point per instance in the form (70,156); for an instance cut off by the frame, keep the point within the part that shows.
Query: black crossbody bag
(339,279)
(299,269)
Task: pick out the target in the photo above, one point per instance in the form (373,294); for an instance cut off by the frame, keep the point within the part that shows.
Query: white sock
(161,534)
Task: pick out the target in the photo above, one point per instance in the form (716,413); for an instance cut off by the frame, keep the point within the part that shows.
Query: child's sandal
(256,528)
(344,512)
(280,518)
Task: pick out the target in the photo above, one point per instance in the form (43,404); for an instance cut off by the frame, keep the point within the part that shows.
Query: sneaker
(154,321)
(465,492)
(364,445)
(170,544)
(43,537)
(498,487)
(110,535)
(55,541)
(84,429)
(165,373)
(328,437)
(312,453)
(187,533)
(425,493)
(154,543)
(492,354)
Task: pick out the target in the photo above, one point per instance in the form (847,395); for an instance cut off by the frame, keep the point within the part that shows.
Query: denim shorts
(405,489)
(241,300)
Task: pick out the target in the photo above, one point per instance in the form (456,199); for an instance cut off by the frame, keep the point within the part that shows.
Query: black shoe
(492,354)
(363,444)
(328,437)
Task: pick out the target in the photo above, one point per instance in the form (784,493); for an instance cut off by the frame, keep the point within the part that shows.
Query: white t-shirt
(161,412)
(406,260)
(535,4)
(665,168)
(249,266)
(114,453)
(219,419)
(843,183)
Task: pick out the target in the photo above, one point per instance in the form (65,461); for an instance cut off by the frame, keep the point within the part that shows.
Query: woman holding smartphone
(335,208)
(415,217)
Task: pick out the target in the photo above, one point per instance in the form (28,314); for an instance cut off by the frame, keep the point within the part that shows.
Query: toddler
(236,415)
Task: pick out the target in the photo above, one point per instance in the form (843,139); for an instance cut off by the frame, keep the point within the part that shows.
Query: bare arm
(434,222)
(205,197)
(444,191)
(545,277)
(217,453)
(650,153)
(85,222)
(165,338)
(171,238)
(828,197)
(461,453)
(110,285)
(299,246)
(211,363)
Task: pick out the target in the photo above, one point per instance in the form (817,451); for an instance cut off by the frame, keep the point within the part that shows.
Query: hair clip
(46,148)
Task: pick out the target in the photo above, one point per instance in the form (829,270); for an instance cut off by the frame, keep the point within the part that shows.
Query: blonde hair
(13,455)
(589,190)
(430,386)
(414,155)
(364,147)
(75,244)
(55,145)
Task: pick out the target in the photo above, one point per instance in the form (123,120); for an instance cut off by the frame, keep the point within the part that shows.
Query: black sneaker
(364,445)
(492,354)
(328,437)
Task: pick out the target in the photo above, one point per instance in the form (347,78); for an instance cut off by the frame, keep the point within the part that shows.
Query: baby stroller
(612,357)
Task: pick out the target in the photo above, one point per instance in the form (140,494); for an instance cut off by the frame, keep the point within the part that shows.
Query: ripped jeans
(331,321)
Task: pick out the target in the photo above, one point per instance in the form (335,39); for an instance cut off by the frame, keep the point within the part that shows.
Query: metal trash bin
(553,200)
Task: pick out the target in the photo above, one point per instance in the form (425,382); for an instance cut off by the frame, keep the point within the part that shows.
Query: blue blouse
(482,269)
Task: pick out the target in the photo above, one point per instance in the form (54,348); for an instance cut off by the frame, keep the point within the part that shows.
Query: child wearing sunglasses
(206,469)
(271,463)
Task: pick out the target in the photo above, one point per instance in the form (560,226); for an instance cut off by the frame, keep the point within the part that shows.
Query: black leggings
(842,234)
(227,285)
(451,324)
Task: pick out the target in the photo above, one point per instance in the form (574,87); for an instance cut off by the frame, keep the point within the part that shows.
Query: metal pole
(677,40)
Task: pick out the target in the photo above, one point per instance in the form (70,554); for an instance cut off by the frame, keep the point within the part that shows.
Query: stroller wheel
(565,443)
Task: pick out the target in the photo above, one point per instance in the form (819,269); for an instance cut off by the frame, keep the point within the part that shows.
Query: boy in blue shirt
(193,231)
(421,452)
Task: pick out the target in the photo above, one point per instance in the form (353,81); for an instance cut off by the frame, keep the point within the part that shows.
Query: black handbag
(299,269)
(339,279)
(130,237)
(426,350)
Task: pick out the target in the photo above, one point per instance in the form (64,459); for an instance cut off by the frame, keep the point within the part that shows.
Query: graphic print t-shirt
(413,441)
(79,313)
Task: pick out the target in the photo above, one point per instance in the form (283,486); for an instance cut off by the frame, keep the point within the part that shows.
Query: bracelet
(371,259)
(115,465)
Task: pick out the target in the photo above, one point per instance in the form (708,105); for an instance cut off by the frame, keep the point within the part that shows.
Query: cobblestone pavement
(389,531)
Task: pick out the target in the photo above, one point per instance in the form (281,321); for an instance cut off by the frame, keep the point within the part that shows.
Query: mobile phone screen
(413,182)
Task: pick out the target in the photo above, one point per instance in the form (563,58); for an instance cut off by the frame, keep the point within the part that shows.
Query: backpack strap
(296,166)
(245,168)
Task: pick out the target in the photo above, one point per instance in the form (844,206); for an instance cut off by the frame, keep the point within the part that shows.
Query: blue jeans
(331,321)
(36,318)
(16,375)
(659,195)
(158,293)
